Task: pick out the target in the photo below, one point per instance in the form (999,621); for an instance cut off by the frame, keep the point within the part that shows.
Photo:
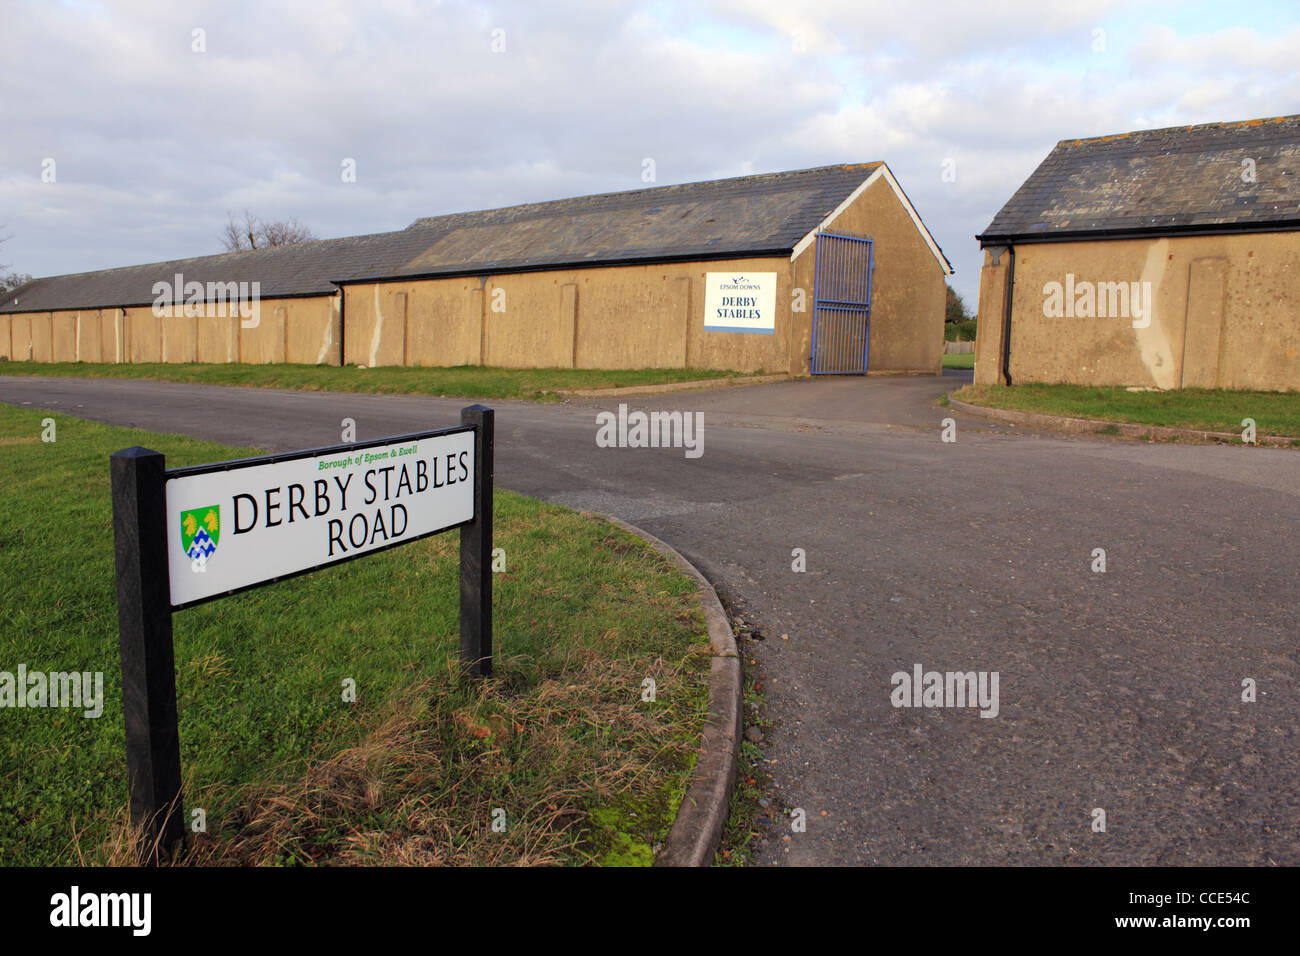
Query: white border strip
(881,170)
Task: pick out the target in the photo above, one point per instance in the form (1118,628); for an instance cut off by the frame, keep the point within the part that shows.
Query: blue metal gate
(841,304)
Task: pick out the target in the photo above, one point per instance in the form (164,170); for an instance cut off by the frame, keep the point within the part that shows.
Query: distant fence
(958,348)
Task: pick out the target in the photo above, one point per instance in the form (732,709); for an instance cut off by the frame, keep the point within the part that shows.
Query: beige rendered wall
(988,334)
(180,338)
(652,316)
(435,322)
(304,331)
(42,338)
(907,286)
(21,335)
(1223,314)
(649,316)
(312,330)
(89,333)
(112,335)
(68,336)
(64,336)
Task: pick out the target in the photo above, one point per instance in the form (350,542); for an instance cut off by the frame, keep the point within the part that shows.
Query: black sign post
(476,551)
(144,615)
(144,628)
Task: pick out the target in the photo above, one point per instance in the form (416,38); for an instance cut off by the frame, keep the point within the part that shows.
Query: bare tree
(11,280)
(237,236)
(285,232)
(252,233)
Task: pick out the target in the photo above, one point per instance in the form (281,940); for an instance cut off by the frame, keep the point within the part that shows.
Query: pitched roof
(1184,179)
(766,214)
(302,269)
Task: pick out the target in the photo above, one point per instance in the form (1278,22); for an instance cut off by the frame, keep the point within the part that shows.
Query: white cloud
(154,143)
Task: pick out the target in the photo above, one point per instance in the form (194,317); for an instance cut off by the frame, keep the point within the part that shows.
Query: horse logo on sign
(200,531)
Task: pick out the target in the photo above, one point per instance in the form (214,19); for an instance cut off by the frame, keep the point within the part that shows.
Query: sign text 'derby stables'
(230,528)
(740,303)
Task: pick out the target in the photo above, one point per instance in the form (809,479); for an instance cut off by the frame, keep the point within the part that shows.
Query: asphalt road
(1119,691)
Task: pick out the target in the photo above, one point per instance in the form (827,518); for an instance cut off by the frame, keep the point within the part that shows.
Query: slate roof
(1184,179)
(302,269)
(749,215)
(765,214)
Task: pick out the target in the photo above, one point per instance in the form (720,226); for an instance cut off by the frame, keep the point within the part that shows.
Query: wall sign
(740,302)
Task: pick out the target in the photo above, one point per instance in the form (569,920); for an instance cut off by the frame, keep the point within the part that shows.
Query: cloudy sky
(450,106)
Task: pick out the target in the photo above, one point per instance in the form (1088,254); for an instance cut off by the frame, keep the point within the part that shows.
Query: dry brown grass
(421,788)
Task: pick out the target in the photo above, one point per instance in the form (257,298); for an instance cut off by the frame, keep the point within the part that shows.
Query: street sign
(235,525)
(190,535)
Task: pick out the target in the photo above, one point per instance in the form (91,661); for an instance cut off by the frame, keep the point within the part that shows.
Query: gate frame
(864,307)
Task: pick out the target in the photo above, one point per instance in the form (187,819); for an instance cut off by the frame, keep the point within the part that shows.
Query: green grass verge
(467,381)
(965,360)
(1221,410)
(750,809)
(412,772)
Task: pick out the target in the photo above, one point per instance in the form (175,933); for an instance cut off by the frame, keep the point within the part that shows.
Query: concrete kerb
(671,386)
(696,832)
(1127,429)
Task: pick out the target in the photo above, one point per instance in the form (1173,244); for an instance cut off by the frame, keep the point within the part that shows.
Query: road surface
(1118,691)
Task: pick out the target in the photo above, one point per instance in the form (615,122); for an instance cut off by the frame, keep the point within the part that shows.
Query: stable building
(821,271)
(1165,258)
